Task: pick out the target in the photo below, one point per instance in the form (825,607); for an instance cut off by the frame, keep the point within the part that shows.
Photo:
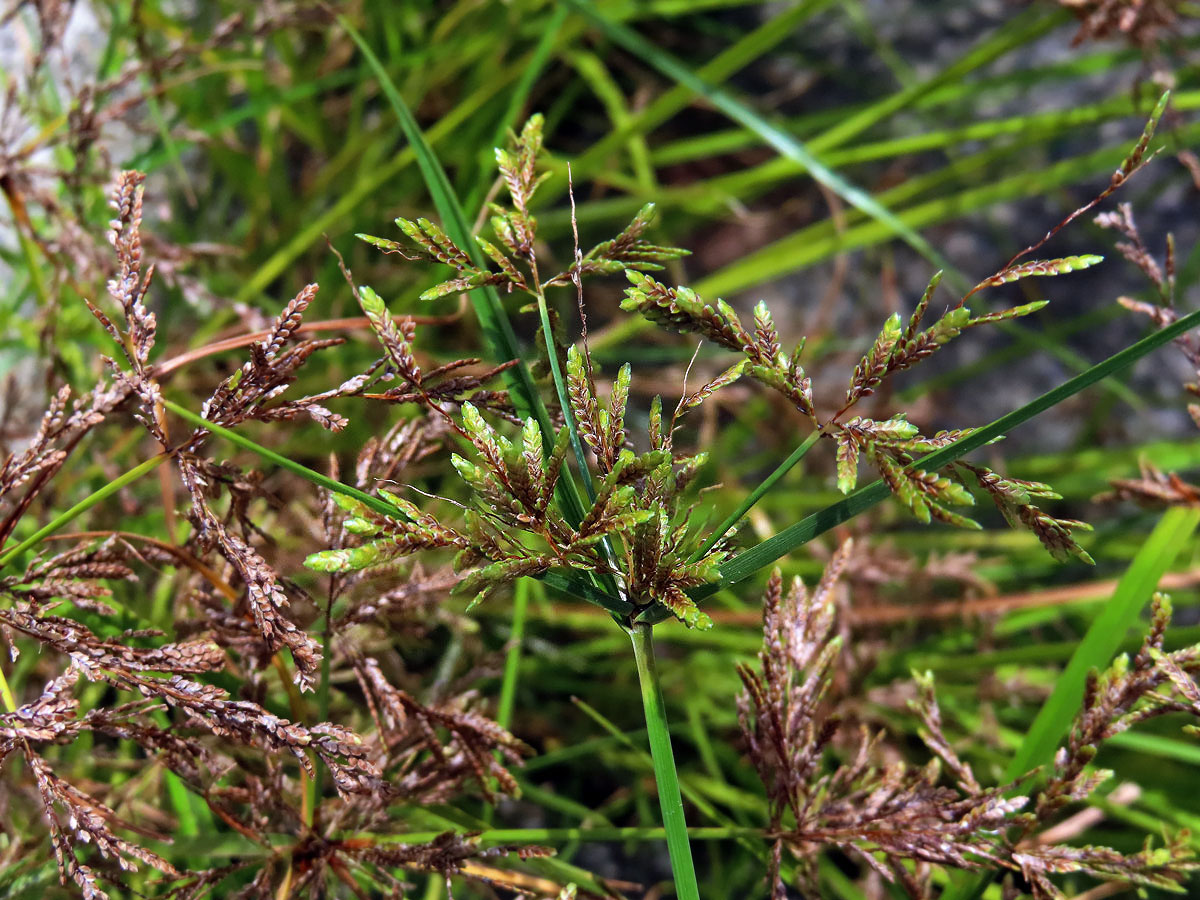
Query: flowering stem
(665,776)
(564,399)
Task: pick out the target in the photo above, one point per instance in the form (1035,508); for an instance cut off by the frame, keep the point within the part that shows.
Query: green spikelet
(847,462)
(1042,268)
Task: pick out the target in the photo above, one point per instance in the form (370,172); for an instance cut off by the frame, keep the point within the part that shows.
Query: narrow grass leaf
(780,140)
(1095,651)
(83,506)
(764,554)
(1104,637)
(567,582)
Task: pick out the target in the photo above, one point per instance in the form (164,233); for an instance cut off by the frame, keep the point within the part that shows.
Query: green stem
(84,505)
(758,493)
(6,694)
(512,668)
(512,662)
(665,776)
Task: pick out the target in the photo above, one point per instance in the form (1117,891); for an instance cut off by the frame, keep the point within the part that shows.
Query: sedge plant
(555,479)
(634,540)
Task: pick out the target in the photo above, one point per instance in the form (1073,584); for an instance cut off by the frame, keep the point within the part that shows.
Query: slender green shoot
(512,660)
(665,776)
(759,492)
(64,518)
(1103,639)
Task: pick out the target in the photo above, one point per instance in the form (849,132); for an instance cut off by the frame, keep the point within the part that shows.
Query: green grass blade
(604,86)
(492,319)
(512,668)
(1015,34)
(1104,636)
(780,140)
(1095,651)
(1184,751)
(757,494)
(735,57)
(1035,125)
(83,505)
(518,97)
(764,554)
(6,694)
(569,583)
(821,240)
(348,202)
(380,506)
